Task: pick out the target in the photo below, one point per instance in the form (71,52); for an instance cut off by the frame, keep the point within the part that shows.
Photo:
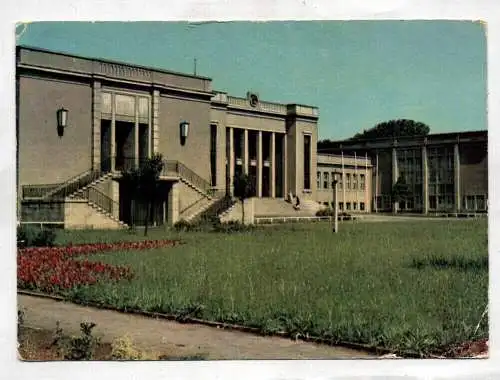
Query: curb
(228,326)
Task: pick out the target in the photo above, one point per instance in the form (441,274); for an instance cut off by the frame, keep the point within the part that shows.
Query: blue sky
(358,73)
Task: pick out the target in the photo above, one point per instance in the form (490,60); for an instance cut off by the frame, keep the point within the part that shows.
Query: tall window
(213,154)
(307,162)
(362,182)
(348,181)
(326,179)
(354,181)
(318,180)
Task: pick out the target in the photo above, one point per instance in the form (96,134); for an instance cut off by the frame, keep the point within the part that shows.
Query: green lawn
(406,285)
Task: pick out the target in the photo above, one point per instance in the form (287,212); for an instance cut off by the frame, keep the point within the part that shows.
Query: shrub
(232,226)
(123,349)
(331,212)
(183,225)
(82,347)
(30,236)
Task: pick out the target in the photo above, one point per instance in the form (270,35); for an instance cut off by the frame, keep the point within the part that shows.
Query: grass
(405,285)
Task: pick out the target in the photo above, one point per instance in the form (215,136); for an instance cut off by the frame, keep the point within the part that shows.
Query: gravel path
(172,338)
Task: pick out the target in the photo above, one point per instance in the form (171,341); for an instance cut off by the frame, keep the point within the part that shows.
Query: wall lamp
(184,129)
(62,121)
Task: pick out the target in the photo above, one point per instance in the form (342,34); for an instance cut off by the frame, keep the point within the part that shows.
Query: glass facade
(410,170)
(441,178)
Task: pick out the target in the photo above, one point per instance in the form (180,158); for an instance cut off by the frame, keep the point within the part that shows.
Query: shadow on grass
(459,263)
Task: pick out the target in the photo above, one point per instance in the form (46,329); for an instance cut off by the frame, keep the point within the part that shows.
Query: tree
(386,129)
(143,183)
(400,191)
(394,128)
(243,189)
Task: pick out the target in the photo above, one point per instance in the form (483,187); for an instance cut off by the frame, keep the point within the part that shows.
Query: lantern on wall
(184,131)
(62,121)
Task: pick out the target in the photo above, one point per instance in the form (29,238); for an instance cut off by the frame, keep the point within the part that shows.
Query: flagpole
(376,181)
(357,179)
(365,190)
(343,182)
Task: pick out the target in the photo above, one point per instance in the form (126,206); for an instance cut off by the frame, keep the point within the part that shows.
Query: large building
(445,172)
(82,121)
(118,114)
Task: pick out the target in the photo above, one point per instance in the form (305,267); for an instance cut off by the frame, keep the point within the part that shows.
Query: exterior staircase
(272,207)
(82,187)
(100,202)
(212,201)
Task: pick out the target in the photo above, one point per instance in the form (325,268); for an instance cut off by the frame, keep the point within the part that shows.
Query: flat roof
(432,136)
(104,60)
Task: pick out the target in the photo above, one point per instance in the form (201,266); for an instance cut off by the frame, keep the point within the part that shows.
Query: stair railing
(77,182)
(175,167)
(97,197)
(38,191)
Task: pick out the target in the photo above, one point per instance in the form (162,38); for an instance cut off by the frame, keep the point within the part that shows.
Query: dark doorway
(136,211)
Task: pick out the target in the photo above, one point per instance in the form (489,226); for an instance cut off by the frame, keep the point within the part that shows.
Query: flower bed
(49,269)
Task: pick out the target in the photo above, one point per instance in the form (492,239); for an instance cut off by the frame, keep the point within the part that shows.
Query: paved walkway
(172,338)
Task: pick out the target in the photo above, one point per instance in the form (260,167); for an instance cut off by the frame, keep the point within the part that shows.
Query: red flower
(50,268)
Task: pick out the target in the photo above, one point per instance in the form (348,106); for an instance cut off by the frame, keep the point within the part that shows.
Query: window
(326,180)
(354,206)
(362,206)
(318,180)
(354,182)
(341,205)
(307,162)
(213,154)
(348,205)
(480,202)
(348,181)
(362,182)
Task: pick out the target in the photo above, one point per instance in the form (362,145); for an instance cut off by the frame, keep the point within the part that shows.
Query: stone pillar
(231,160)
(260,164)
(154,134)
(285,166)
(425,181)
(136,133)
(273,165)
(456,181)
(115,196)
(113,132)
(246,162)
(395,174)
(96,125)
(173,204)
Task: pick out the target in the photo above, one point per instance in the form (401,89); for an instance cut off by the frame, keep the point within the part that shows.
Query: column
(395,173)
(231,159)
(154,134)
(113,133)
(173,204)
(259,164)
(96,125)
(136,133)
(456,168)
(273,165)
(246,162)
(115,196)
(285,166)
(425,181)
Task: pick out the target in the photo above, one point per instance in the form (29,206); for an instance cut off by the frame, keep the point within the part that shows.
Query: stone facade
(120,114)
